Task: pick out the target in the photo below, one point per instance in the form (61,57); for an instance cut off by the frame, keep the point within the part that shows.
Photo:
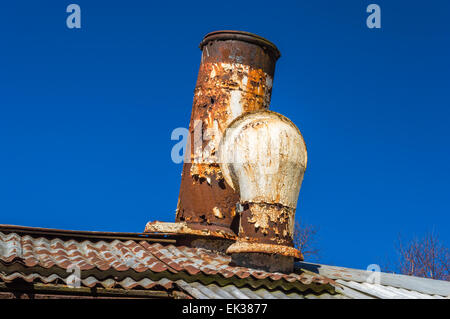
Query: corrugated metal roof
(212,291)
(136,263)
(90,281)
(377,291)
(356,283)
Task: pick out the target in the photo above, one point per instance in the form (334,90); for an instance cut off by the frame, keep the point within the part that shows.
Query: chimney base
(267,262)
(272,258)
(252,247)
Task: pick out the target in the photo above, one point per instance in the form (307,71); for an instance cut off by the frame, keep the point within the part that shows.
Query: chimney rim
(223,35)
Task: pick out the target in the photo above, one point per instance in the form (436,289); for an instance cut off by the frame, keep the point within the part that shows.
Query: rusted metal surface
(235,76)
(127,283)
(30,290)
(256,247)
(263,156)
(133,264)
(217,240)
(183,228)
(268,223)
(79,234)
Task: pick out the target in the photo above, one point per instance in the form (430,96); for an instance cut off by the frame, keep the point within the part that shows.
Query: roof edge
(51,232)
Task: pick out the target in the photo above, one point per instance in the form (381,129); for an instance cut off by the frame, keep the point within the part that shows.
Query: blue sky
(86,115)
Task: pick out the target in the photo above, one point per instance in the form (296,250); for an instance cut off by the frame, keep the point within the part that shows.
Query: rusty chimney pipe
(235,77)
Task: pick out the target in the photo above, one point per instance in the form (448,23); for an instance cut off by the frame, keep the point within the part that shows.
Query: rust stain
(185,229)
(263,215)
(267,224)
(253,247)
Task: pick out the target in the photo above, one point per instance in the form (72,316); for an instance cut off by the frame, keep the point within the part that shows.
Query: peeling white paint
(263,156)
(217,212)
(269,82)
(235,103)
(245,81)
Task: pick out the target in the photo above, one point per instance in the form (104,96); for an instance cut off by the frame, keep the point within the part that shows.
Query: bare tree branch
(425,257)
(305,239)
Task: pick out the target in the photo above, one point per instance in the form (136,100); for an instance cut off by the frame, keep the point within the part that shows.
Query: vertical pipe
(235,76)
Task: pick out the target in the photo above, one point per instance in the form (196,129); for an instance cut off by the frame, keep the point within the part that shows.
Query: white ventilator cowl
(263,156)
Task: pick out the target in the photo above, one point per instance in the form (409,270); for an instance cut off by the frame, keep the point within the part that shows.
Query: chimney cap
(229,147)
(263,156)
(223,35)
